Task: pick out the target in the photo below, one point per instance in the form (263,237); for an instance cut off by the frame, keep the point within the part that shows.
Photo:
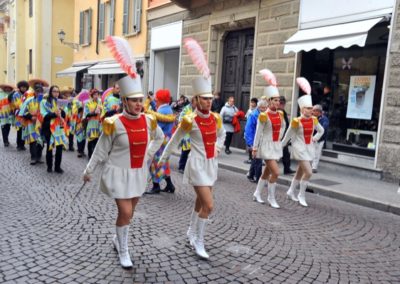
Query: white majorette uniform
(206,137)
(301,131)
(126,146)
(270,128)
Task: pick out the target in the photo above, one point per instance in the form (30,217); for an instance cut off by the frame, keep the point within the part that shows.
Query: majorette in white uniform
(126,146)
(267,141)
(206,136)
(300,132)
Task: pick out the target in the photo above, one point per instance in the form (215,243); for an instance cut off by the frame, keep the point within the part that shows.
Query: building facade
(32,46)
(93,65)
(348,52)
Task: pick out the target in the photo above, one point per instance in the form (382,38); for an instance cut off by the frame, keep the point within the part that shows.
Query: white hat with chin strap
(271,91)
(130,87)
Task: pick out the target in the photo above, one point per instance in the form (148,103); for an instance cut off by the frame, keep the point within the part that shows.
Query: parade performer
(112,104)
(128,143)
(17,98)
(32,120)
(91,114)
(207,137)
(53,129)
(162,172)
(185,143)
(78,126)
(300,132)
(267,142)
(66,98)
(6,113)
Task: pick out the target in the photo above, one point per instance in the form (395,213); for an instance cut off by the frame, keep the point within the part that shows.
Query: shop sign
(361,97)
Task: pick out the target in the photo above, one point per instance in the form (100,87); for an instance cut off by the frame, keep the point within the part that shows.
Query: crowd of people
(134,137)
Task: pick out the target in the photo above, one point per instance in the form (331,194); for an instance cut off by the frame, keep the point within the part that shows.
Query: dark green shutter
(101,21)
(138,15)
(81,31)
(89,27)
(112,17)
(125,19)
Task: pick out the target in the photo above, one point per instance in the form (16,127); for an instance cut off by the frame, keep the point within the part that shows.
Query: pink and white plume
(269,77)
(196,53)
(121,51)
(304,85)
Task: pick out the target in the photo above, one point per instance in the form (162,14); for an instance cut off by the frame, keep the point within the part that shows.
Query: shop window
(348,83)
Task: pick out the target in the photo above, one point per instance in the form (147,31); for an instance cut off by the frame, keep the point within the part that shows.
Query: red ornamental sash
(308,129)
(276,123)
(136,130)
(208,129)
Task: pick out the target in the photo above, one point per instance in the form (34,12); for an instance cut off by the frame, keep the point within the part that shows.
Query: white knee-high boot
(121,245)
(199,241)
(290,193)
(257,194)
(271,195)
(302,192)
(191,232)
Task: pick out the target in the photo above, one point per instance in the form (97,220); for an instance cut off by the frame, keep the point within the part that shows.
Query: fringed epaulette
(187,122)
(281,114)
(153,121)
(315,120)
(295,123)
(263,117)
(218,119)
(109,125)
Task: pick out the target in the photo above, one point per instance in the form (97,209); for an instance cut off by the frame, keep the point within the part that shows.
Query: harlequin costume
(207,136)
(267,141)
(17,99)
(69,125)
(112,105)
(6,113)
(32,121)
(300,133)
(127,145)
(91,114)
(53,131)
(78,126)
(162,172)
(185,143)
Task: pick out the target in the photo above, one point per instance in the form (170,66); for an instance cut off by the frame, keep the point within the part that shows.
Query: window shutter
(138,15)
(81,31)
(89,27)
(125,20)
(101,21)
(112,17)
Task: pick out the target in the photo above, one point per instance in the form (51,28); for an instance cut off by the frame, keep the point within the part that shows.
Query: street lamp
(61,37)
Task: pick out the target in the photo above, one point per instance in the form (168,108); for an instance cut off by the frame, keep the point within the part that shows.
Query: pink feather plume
(304,85)
(122,53)
(269,77)
(196,53)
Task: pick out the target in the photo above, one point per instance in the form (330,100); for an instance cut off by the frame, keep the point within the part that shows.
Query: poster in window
(361,97)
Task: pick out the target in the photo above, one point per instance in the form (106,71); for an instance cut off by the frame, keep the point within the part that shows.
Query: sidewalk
(335,183)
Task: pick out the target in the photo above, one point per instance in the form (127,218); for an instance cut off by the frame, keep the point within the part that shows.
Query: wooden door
(236,73)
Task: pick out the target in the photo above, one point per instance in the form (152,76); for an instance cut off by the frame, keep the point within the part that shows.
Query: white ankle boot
(191,232)
(302,193)
(257,194)
(199,241)
(271,195)
(290,193)
(121,246)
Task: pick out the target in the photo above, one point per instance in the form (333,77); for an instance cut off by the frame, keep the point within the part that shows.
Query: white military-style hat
(271,91)
(305,100)
(130,87)
(202,87)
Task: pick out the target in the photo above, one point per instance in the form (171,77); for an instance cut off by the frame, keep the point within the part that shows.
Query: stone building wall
(389,148)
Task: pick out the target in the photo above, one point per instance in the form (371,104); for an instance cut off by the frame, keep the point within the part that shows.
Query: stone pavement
(344,183)
(46,239)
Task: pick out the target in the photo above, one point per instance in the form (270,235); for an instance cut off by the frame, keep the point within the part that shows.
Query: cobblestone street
(46,239)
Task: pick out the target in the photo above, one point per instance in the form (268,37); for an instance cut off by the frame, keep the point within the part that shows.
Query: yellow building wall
(3,53)
(62,55)
(88,53)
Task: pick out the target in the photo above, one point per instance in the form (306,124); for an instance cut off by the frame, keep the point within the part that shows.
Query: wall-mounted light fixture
(61,36)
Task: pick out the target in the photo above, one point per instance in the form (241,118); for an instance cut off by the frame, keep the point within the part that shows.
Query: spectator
(286,153)
(217,103)
(319,145)
(253,106)
(227,114)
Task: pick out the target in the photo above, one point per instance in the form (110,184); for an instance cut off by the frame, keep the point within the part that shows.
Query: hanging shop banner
(361,97)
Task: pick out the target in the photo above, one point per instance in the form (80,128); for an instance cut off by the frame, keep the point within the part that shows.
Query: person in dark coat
(286,153)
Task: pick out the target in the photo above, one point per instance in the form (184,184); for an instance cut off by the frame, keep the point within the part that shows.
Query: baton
(79,191)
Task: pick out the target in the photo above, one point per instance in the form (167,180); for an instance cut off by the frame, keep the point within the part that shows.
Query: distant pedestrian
(253,106)
(267,141)
(124,177)
(286,154)
(227,113)
(300,132)
(217,103)
(319,145)
(17,98)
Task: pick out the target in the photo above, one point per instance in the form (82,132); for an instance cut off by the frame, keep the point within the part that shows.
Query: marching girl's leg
(295,183)
(305,166)
(260,185)
(191,232)
(273,167)
(204,195)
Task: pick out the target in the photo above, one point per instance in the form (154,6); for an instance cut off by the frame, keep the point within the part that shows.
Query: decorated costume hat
(131,85)
(201,85)
(7,87)
(271,91)
(305,100)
